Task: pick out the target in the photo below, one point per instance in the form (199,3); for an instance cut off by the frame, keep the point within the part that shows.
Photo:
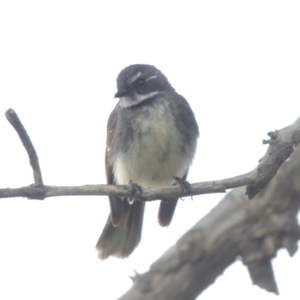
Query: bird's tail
(120,241)
(166,211)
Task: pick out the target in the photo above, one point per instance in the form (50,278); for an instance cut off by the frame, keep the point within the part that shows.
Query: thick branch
(253,230)
(282,143)
(280,147)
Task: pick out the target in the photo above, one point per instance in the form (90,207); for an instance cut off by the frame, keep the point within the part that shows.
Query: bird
(151,141)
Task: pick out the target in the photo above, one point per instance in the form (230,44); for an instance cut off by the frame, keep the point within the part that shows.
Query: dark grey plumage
(151,138)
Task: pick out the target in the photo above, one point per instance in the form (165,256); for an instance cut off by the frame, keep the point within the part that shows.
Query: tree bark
(253,230)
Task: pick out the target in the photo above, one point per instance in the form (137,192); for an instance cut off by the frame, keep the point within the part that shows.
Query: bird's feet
(135,190)
(185,185)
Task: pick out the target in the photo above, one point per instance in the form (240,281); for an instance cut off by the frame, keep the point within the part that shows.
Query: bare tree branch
(280,148)
(14,120)
(252,230)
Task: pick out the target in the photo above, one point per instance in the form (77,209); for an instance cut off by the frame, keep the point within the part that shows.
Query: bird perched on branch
(151,141)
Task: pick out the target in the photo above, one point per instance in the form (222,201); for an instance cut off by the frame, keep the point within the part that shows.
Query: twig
(14,120)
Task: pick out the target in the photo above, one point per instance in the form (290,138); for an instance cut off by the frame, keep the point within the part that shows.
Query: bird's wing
(116,203)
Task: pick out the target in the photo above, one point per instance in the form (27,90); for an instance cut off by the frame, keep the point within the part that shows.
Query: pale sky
(236,62)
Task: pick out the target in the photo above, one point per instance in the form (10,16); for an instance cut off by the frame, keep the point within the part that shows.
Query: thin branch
(14,120)
(281,146)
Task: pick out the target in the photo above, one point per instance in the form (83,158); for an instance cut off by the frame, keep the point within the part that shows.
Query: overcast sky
(236,62)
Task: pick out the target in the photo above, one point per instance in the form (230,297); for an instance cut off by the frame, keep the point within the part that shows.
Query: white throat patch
(128,101)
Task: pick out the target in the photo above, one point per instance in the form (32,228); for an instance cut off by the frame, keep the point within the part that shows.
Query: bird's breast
(157,150)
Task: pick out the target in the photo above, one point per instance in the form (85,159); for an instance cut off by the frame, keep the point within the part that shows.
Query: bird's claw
(135,190)
(185,185)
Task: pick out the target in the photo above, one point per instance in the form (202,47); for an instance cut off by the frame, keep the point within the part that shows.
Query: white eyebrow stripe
(134,78)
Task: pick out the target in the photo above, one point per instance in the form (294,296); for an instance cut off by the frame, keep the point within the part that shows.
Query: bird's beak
(120,93)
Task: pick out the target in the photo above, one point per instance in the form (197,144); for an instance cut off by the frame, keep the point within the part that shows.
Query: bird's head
(137,83)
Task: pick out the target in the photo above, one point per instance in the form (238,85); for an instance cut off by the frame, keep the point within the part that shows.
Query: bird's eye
(141,82)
